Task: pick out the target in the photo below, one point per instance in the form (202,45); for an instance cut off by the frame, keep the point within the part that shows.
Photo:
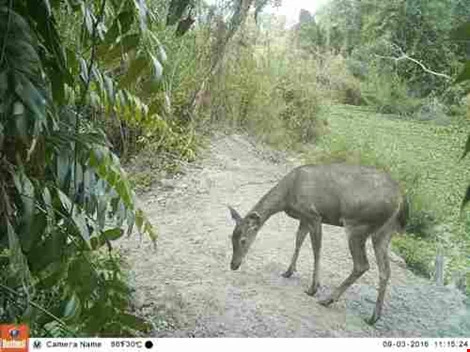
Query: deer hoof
(288,273)
(312,290)
(326,302)
(372,320)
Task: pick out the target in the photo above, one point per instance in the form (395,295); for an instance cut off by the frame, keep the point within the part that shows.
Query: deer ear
(235,215)
(254,218)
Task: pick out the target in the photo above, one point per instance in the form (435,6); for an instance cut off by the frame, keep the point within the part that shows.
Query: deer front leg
(299,239)
(316,238)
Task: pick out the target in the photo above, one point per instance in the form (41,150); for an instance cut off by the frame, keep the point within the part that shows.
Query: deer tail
(397,221)
(403,213)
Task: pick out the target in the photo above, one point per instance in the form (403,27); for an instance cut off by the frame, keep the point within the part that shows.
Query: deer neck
(270,204)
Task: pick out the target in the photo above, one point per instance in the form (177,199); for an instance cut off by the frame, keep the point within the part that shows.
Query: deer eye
(243,241)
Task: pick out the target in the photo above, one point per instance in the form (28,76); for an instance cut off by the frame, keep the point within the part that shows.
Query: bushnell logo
(14,338)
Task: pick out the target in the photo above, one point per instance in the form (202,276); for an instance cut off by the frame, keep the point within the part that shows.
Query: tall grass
(268,92)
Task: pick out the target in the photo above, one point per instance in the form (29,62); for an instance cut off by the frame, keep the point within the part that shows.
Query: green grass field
(425,158)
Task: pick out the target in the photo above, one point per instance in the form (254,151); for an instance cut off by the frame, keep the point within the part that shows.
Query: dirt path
(188,281)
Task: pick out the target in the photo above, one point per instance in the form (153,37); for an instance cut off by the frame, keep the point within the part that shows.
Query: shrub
(268,93)
(336,80)
(299,110)
(388,93)
(418,254)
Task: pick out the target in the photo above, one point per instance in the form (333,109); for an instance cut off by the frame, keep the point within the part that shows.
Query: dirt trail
(189,283)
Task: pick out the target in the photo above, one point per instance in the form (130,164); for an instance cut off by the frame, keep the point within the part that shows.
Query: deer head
(243,235)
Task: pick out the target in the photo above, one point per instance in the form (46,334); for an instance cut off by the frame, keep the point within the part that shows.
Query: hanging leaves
(32,98)
(25,189)
(142,10)
(136,67)
(78,218)
(106,166)
(63,202)
(120,26)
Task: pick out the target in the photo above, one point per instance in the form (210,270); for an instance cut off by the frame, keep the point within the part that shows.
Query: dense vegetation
(64,196)
(85,85)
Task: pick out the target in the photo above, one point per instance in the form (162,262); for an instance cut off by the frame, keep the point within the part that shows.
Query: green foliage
(463,33)
(311,36)
(421,29)
(180,102)
(300,109)
(465,74)
(266,91)
(63,193)
(176,11)
(401,51)
(419,254)
(173,134)
(105,303)
(128,60)
(421,222)
(162,152)
(335,81)
(388,93)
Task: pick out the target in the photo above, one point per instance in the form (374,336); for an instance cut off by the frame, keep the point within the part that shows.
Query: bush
(432,109)
(64,195)
(420,220)
(388,93)
(162,150)
(269,93)
(337,81)
(300,109)
(418,254)
(357,68)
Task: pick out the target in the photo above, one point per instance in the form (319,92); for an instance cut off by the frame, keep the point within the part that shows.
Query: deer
(365,201)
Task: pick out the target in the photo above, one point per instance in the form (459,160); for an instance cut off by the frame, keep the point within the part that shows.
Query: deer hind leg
(316,238)
(381,242)
(299,239)
(357,247)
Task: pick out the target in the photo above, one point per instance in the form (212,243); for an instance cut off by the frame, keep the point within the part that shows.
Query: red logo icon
(14,338)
